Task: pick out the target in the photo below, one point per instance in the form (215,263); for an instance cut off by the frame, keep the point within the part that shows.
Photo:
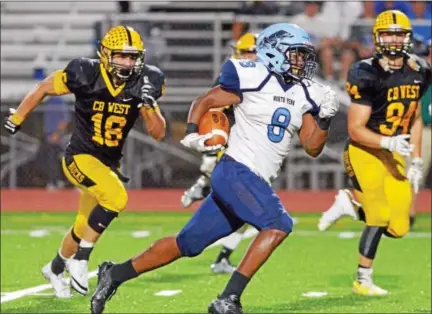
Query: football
(217,123)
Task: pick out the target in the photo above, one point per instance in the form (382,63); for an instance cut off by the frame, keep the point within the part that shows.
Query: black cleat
(228,305)
(412,222)
(105,288)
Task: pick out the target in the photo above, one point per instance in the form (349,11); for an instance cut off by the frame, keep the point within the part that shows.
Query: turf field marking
(38,233)
(167,293)
(346,235)
(141,234)
(10,296)
(314,294)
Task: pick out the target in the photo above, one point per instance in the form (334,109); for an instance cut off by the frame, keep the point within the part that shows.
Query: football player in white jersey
(274,100)
(245,48)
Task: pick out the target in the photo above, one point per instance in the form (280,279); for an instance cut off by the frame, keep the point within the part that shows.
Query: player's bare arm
(215,98)
(48,87)
(311,136)
(358,116)
(154,122)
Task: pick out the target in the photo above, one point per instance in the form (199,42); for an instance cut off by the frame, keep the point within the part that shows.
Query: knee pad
(189,246)
(100,218)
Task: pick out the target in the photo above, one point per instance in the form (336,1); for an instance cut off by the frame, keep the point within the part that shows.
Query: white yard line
(10,296)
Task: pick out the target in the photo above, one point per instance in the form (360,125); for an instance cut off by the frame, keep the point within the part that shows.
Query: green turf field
(307,261)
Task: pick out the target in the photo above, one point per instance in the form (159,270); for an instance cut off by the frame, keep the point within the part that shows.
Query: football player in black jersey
(384,125)
(245,48)
(111,93)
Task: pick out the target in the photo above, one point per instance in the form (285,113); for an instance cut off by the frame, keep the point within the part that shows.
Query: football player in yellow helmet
(385,127)
(245,48)
(119,42)
(111,93)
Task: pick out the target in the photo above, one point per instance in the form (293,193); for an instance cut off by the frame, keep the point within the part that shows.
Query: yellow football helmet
(245,44)
(392,21)
(124,40)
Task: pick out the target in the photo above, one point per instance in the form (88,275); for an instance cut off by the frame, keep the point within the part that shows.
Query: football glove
(415,174)
(329,105)
(196,142)
(147,90)
(398,144)
(12,123)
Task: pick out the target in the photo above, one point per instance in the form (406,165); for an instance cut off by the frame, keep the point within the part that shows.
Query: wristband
(191,128)
(16,119)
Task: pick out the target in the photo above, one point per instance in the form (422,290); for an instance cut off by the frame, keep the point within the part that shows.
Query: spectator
(421,10)
(403,6)
(124,6)
(328,30)
(360,44)
(56,121)
(252,8)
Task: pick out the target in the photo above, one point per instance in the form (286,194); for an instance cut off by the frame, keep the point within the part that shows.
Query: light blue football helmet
(276,42)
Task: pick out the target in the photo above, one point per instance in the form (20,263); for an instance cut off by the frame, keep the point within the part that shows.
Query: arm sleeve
(229,79)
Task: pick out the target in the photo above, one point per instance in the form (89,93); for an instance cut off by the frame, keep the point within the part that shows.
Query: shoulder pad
(239,75)
(79,72)
(362,71)
(153,71)
(362,81)
(251,73)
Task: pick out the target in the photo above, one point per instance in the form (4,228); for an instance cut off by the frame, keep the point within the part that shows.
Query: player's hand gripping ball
(217,123)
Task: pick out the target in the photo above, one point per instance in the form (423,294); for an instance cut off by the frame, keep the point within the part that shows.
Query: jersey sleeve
(70,79)
(360,85)
(157,78)
(314,96)
(229,79)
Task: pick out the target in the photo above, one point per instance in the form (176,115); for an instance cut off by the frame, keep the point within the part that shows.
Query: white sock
(364,275)
(233,240)
(86,244)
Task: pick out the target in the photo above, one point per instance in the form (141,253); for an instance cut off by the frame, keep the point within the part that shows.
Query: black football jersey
(394,97)
(105,114)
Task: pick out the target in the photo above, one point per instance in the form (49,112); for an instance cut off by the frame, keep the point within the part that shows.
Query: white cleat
(367,288)
(78,270)
(196,192)
(343,206)
(59,283)
(223,267)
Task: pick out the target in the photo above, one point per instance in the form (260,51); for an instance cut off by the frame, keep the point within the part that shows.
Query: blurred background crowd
(188,41)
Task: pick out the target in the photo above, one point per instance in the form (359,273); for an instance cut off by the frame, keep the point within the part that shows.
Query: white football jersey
(269,115)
